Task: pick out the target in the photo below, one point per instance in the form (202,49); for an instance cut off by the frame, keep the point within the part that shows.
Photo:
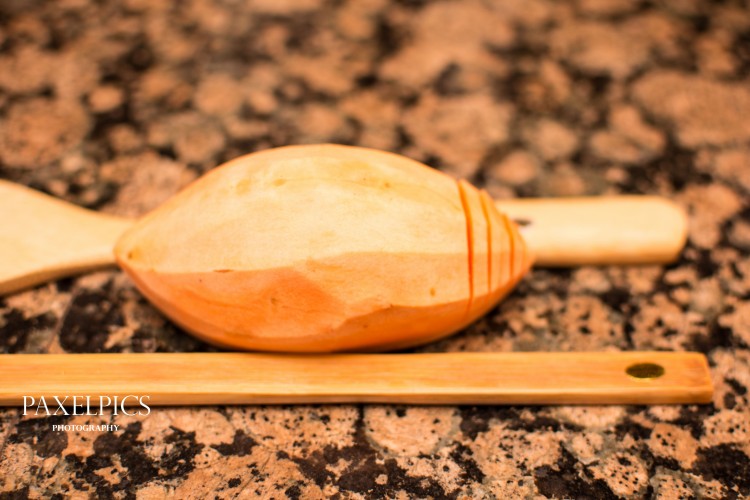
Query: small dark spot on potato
(222,270)
(243,186)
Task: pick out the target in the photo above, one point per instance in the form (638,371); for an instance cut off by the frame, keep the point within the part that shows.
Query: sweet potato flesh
(324,248)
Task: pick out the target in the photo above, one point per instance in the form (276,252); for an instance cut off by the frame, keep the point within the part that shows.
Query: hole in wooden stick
(645,370)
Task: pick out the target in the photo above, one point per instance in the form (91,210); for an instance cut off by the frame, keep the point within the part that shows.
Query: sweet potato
(324,248)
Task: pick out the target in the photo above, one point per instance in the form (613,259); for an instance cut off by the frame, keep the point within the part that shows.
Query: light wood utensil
(43,238)
(434,378)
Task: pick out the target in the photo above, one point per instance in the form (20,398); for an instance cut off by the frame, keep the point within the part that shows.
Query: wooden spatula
(43,238)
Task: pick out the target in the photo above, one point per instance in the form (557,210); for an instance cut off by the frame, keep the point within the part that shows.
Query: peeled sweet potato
(324,248)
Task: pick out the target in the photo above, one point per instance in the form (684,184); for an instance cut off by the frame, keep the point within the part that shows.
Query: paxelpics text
(130,405)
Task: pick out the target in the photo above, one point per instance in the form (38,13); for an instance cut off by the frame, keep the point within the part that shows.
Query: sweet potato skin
(324,248)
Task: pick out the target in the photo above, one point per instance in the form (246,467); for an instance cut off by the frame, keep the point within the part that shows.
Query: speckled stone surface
(117,105)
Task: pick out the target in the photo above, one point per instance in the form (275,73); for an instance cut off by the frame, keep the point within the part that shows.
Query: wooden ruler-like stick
(433,378)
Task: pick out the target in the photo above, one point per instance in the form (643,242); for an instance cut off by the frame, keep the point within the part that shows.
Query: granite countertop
(117,105)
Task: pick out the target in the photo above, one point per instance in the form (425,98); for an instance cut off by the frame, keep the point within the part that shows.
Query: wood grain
(564,232)
(43,238)
(432,378)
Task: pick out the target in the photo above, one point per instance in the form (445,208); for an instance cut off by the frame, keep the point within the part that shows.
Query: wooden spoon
(326,248)
(43,238)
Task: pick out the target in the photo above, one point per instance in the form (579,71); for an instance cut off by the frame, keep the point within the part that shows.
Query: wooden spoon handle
(433,378)
(599,229)
(43,238)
